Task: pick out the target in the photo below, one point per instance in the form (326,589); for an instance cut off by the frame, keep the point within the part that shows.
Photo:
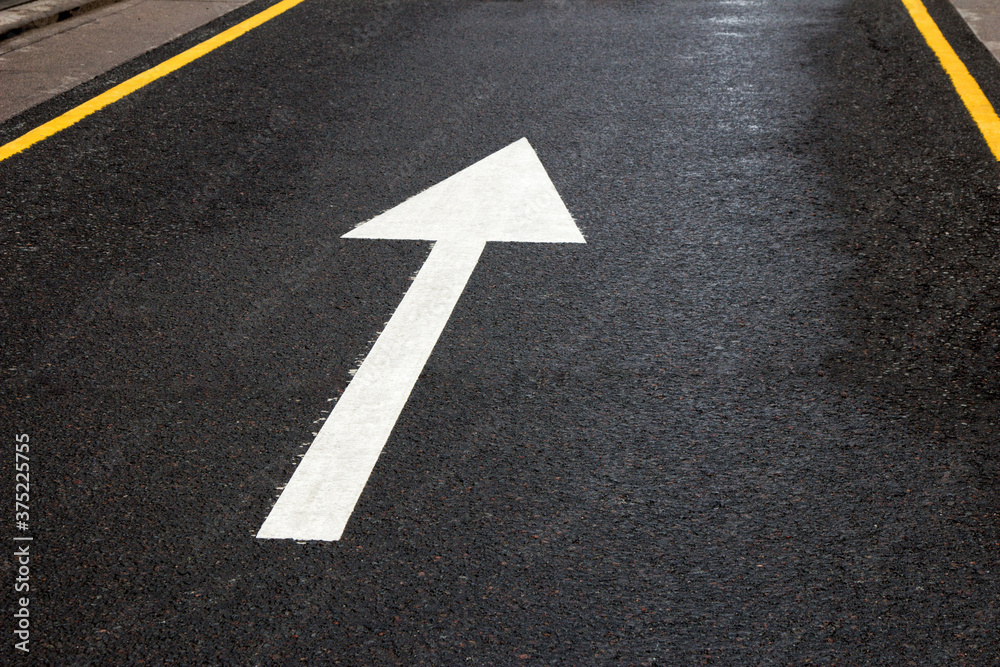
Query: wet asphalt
(752,421)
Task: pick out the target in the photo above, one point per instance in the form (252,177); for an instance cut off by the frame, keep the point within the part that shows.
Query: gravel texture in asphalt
(752,421)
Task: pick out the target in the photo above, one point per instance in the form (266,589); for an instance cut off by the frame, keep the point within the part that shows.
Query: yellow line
(970,92)
(138,81)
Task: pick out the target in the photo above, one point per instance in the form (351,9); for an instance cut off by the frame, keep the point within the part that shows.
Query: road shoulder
(45,62)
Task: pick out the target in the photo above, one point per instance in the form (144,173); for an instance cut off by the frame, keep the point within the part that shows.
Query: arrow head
(507,196)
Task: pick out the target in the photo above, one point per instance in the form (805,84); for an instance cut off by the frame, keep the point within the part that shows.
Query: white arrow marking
(504,197)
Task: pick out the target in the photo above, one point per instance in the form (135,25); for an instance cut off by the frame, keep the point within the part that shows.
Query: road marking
(507,196)
(972,95)
(128,87)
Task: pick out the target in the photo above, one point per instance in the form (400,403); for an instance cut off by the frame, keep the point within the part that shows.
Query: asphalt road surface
(753,420)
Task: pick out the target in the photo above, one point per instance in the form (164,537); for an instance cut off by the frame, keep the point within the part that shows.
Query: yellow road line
(138,81)
(970,92)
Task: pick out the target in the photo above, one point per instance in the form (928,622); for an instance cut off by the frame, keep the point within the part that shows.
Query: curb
(21,18)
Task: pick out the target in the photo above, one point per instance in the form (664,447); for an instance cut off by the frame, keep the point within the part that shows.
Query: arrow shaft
(322,493)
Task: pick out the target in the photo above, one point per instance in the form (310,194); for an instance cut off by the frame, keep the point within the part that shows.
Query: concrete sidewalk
(45,61)
(983,16)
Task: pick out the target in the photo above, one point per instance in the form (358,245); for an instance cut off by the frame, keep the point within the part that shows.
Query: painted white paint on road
(507,196)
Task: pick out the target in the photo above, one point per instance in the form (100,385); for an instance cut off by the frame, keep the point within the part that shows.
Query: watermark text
(22,541)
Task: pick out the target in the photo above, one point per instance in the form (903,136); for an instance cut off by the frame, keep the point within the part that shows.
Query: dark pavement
(752,421)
